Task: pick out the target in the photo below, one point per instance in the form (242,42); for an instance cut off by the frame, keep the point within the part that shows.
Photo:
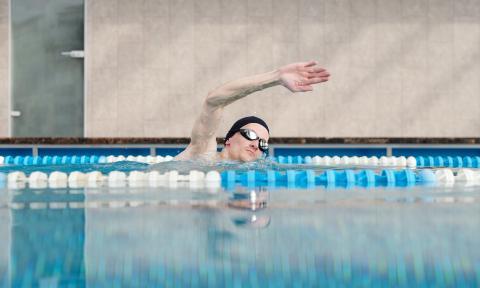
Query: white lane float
(76,205)
(57,205)
(445,177)
(155,178)
(38,205)
(117,179)
(402,161)
(95,179)
(384,161)
(335,160)
(137,179)
(172,176)
(37,177)
(363,161)
(77,179)
(317,160)
(392,161)
(116,204)
(141,159)
(16,205)
(136,203)
(373,161)
(327,161)
(411,162)
(213,179)
(355,160)
(345,160)
(38,180)
(196,176)
(57,179)
(150,159)
(16,180)
(468,177)
(196,179)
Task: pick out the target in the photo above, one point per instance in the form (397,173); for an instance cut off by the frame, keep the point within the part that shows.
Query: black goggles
(252,136)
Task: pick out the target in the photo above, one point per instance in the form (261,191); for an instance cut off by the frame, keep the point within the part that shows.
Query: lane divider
(78,179)
(94,159)
(383,161)
(289,178)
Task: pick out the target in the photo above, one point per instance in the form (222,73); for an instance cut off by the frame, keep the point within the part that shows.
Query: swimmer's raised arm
(297,77)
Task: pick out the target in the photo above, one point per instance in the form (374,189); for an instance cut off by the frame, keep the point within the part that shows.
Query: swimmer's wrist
(270,79)
(276,76)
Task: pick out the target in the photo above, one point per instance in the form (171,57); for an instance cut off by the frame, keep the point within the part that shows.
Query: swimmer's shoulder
(205,156)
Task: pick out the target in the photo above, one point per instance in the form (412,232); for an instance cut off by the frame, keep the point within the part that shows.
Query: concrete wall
(4,80)
(399,68)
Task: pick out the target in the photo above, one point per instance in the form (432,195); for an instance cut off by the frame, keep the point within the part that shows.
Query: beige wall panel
(4,44)
(156,95)
(102,128)
(399,68)
(467,9)
(4,89)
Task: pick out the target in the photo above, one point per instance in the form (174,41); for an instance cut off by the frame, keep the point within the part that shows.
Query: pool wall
(150,63)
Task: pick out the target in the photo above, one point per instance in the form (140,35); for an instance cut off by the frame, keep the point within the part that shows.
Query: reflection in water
(250,202)
(304,243)
(47,248)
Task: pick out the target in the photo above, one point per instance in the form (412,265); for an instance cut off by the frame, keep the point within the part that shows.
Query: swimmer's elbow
(214,101)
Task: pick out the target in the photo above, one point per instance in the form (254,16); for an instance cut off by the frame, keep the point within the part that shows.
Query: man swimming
(247,139)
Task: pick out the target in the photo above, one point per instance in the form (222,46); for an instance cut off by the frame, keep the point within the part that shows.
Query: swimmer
(247,139)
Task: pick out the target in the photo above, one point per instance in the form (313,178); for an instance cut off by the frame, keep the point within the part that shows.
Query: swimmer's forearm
(237,89)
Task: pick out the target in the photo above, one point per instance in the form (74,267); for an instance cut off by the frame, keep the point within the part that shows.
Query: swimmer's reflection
(252,203)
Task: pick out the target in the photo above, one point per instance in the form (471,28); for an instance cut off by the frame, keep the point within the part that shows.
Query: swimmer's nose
(254,145)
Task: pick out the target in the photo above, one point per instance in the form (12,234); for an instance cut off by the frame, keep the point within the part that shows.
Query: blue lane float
(329,178)
(448,161)
(54,160)
(421,161)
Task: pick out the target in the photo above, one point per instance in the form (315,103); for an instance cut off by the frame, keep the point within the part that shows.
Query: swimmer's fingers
(307,88)
(309,64)
(319,70)
(323,74)
(302,86)
(316,80)
(314,69)
(313,72)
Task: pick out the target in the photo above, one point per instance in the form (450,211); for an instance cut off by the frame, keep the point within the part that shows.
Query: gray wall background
(4,80)
(399,68)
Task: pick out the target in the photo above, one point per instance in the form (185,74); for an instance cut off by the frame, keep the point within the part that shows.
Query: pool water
(179,237)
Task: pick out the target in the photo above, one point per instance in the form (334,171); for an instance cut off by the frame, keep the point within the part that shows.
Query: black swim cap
(242,122)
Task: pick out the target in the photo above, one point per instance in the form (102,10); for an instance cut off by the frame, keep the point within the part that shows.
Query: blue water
(164,237)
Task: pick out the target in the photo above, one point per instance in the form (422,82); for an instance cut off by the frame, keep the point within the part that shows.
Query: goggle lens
(252,136)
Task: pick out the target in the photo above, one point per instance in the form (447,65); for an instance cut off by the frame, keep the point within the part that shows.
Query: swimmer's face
(243,149)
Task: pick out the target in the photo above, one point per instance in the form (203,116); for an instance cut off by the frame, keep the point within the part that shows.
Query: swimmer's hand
(299,77)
